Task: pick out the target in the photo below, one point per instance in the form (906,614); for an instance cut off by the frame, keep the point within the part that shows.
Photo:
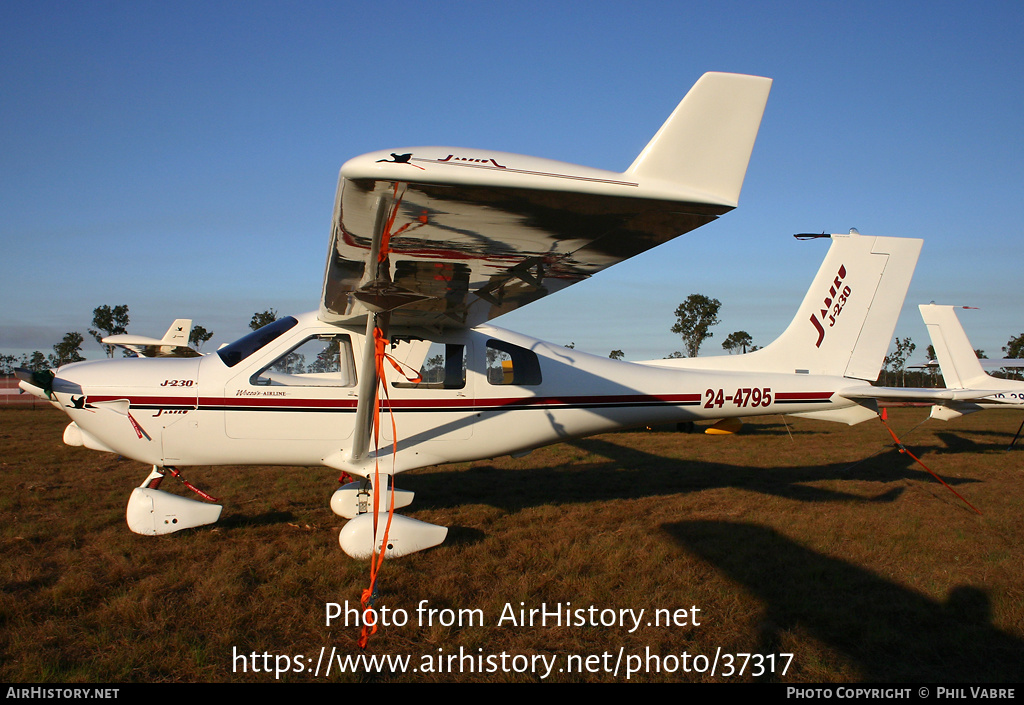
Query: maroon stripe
(273,402)
(455,403)
(287,402)
(145,401)
(803,396)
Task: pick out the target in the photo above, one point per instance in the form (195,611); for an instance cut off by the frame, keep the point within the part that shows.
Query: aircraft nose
(38,383)
(43,383)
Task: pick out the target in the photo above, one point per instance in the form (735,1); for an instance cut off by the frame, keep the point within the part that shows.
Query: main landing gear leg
(152,511)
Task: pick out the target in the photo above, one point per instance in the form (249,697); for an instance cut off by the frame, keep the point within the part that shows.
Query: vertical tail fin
(178,333)
(957,359)
(706,142)
(846,321)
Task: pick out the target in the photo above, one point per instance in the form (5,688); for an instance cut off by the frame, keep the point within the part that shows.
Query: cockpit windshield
(244,347)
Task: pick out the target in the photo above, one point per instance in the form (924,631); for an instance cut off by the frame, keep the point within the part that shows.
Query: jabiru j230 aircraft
(428,244)
(173,344)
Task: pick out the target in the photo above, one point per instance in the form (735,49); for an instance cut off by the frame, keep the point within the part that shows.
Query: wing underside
(461,255)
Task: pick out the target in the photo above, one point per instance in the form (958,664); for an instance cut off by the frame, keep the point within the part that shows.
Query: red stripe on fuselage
(797,397)
(454,404)
(243,403)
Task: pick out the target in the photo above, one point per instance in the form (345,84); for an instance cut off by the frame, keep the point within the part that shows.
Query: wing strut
(377,556)
(368,381)
(382,222)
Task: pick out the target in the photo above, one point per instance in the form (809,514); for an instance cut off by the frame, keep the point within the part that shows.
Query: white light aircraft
(427,245)
(173,344)
(961,369)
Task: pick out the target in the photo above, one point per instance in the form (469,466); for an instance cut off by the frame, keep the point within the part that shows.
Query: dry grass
(867,573)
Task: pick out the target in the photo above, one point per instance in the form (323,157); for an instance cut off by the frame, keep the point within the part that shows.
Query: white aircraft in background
(427,245)
(173,344)
(961,369)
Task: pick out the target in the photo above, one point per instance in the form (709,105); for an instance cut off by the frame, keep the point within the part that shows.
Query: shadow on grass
(893,634)
(629,473)
(957,443)
(761,428)
(237,521)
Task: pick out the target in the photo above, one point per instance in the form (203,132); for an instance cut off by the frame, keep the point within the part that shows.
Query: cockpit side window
(242,348)
(320,361)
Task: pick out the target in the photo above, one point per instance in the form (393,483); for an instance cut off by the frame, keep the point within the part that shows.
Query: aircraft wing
(1005,363)
(450,237)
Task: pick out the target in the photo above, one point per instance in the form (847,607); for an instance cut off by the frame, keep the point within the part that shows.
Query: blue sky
(182,158)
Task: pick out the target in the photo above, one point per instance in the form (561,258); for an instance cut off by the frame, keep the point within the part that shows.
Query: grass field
(784,542)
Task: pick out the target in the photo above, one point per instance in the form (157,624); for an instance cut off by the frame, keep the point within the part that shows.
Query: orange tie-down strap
(385,239)
(903,449)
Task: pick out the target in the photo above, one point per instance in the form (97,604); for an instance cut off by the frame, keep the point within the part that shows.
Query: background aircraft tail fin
(706,142)
(178,333)
(957,359)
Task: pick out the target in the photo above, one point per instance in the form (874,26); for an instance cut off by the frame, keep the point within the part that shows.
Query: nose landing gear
(152,511)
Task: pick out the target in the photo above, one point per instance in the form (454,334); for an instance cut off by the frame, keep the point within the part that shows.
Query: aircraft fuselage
(487,392)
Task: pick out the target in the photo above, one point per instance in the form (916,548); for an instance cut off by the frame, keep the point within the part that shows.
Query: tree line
(694,319)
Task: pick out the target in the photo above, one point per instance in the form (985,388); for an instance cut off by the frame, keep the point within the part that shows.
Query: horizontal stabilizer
(918,394)
(851,415)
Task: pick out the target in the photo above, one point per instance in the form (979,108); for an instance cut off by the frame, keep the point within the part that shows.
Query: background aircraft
(173,344)
(962,370)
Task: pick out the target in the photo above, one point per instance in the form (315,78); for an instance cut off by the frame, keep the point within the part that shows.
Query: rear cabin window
(511,364)
(444,366)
